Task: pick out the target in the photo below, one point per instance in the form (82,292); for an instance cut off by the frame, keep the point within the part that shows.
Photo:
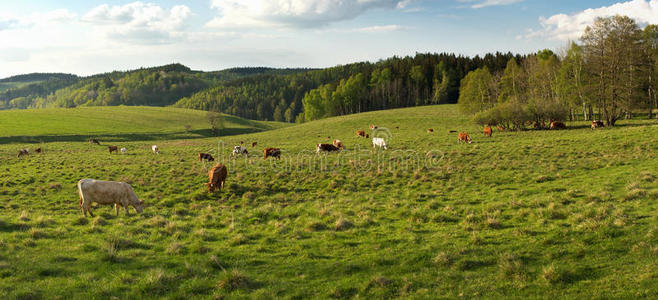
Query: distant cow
(597,124)
(500,128)
(360,133)
(206,156)
(430,130)
(558,125)
(254,144)
(463,137)
(38,150)
(240,150)
(272,152)
(124,150)
(453,131)
(155,149)
(538,125)
(339,144)
(325,148)
(23,152)
(108,193)
(379,142)
(216,177)
(94,141)
(113,149)
(373,127)
(487,131)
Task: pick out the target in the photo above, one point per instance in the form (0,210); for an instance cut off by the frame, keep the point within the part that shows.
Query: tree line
(607,76)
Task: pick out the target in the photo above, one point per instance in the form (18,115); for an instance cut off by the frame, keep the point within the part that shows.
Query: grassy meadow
(541,214)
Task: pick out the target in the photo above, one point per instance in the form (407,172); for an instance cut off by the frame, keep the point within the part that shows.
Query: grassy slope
(118,123)
(543,213)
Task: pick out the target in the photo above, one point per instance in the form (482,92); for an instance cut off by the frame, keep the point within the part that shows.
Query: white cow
(379,142)
(239,150)
(108,193)
(124,150)
(155,149)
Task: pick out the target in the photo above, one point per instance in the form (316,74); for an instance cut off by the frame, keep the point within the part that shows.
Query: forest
(608,76)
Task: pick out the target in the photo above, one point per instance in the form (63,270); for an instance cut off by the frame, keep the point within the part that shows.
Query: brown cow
(430,130)
(500,128)
(360,133)
(38,150)
(487,131)
(216,177)
(273,152)
(463,137)
(339,144)
(597,124)
(23,152)
(113,148)
(373,127)
(558,125)
(205,156)
(94,141)
(254,144)
(326,148)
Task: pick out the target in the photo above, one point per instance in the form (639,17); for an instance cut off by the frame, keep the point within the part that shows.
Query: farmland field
(547,214)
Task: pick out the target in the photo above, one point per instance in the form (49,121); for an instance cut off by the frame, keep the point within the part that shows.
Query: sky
(86,37)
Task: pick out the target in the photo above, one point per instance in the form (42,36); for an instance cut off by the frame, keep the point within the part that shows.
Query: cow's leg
(222,185)
(127,210)
(116,208)
(88,208)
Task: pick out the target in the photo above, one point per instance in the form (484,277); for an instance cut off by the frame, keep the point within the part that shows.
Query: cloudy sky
(91,36)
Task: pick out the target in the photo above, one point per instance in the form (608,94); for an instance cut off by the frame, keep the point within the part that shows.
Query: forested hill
(267,93)
(156,86)
(18,81)
(391,83)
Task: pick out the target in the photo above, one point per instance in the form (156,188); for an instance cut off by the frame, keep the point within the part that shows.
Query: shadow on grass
(127,137)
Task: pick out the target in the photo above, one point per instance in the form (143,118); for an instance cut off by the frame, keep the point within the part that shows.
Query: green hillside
(523,214)
(116,123)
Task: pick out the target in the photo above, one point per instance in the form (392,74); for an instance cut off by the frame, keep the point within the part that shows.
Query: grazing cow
(38,150)
(241,142)
(254,144)
(272,152)
(155,149)
(500,128)
(239,150)
(379,142)
(487,131)
(360,133)
(373,127)
(108,193)
(326,148)
(558,125)
(397,127)
(216,177)
(23,152)
(206,156)
(94,141)
(463,137)
(339,144)
(430,130)
(124,150)
(597,124)
(113,148)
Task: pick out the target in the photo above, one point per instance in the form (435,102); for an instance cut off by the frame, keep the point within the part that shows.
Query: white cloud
(486,3)
(380,29)
(570,27)
(293,13)
(139,22)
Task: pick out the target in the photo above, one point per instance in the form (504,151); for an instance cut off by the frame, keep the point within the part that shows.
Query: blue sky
(92,36)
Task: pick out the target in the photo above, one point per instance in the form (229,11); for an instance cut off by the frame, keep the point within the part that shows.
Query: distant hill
(19,81)
(119,123)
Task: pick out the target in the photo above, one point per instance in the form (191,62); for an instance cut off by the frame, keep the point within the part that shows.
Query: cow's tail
(80,191)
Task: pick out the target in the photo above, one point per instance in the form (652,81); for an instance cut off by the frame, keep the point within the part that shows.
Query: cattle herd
(121,194)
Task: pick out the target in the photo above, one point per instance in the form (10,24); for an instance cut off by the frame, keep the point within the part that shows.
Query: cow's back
(105,192)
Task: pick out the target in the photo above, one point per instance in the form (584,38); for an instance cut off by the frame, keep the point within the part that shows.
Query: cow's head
(139,206)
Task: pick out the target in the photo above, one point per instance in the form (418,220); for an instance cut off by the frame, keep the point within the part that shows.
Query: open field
(116,123)
(566,214)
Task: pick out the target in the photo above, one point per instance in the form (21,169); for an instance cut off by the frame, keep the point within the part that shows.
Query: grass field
(541,214)
(116,123)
